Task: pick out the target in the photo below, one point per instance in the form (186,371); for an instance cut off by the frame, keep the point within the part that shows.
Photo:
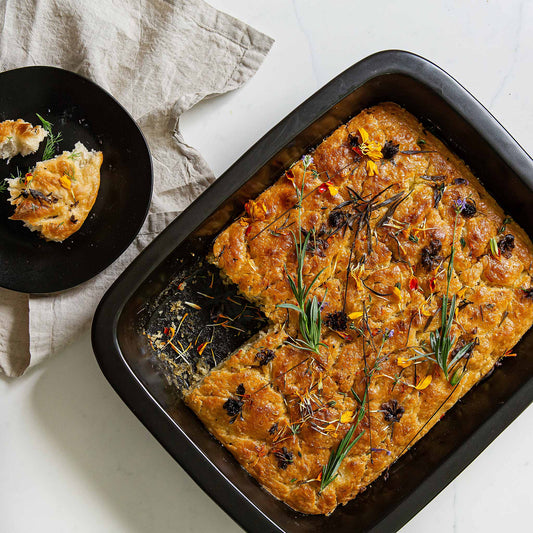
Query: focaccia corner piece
(19,137)
(57,196)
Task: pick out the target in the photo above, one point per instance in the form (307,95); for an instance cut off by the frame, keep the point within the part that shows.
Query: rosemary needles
(308,309)
(329,471)
(441,340)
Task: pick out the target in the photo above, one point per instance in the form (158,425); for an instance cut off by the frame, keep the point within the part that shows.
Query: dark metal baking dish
(495,157)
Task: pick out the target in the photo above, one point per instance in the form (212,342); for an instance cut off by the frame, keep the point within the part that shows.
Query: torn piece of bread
(19,137)
(57,196)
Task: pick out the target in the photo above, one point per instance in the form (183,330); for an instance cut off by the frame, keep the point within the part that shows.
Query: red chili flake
(248,230)
(323,188)
(413,284)
(432,284)
(357,150)
(290,175)
(166,331)
(181,286)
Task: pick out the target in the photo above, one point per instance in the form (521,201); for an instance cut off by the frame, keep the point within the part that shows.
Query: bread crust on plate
(57,196)
(19,137)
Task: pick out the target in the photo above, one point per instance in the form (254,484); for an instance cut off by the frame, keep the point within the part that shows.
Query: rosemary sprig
(3,185)
(329,471)
(51,140)
(441,340)
(308,309)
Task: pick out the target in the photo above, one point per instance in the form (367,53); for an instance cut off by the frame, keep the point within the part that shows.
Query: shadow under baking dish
(451,113)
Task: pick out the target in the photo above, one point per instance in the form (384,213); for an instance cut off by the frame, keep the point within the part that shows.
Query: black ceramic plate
(81,111)
(453,114)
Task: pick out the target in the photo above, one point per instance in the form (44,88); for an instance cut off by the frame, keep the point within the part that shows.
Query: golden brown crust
(19,137)
(400,288)
(56,198)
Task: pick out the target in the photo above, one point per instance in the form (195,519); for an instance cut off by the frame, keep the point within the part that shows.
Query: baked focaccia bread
(423,286)
(56,197)
(19,137)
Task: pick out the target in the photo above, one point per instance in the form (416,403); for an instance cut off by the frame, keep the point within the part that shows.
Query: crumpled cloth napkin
(158,58)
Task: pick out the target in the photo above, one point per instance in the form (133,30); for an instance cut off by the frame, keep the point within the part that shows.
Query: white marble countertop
(74,458)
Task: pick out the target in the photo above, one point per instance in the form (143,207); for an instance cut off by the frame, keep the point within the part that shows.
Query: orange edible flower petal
(343,335)
(371,168)
(404,362)
(332,189)
(373,150)
(256,209)
(346,417)
(509,353)
(424,311)
(364,135)
(65,182)
(424,383)
(202,347)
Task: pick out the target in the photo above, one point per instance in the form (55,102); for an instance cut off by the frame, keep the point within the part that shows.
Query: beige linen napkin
(158,58)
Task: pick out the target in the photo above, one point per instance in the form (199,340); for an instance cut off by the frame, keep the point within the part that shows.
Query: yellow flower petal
(424,383)
(404,362)
(65,182)
(333,190)
(346,417)
(371,168)
(256,209)
(397,292)
(364,135)
(355,315)
(374,150)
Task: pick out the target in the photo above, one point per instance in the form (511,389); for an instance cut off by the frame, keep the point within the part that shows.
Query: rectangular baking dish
(450,112)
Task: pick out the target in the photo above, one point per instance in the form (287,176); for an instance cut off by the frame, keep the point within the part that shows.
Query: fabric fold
(158,59)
